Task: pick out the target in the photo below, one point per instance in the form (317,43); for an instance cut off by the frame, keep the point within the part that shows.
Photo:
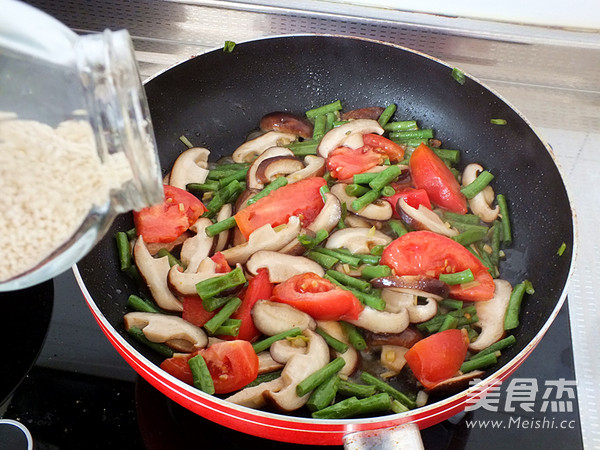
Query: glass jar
(76,142)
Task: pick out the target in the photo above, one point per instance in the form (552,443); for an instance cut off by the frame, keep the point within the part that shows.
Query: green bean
(497,346)
(388,191)
(479,363)
(370,272)
(387,114)
(466,276)
(266,343)
(131,233)
(223,225)
(264,378)
(158,347)
(201,375)
(496,238)
(227,194)
(231,166)
(413,134)
(477,185)
(337,345)
(463,218)
(367,406)
(350,281)
(363,257)
(309,242)
(476,230)
(173,261)
(318,377)
(511,318)
(272,186)
(231,327)
(342,257)
(350,389)
(356,190)
(372,301)
(211,304)
(319,127)
(124,250)
(385,177)
(451,303)
(201,188)
(214,286)
(382,386)
(452,156)
(364,178)
(398,407)
(325,261)
(355,338)
(339,410)
(365,200)
(506,228)
(404,125)
(471,235)
(220,172)
(324,394)
(330,118)
(337,123)
(239,175)
(222,315)
(397,227)
(449,323)
(303,148)
(143,305)
(330,107)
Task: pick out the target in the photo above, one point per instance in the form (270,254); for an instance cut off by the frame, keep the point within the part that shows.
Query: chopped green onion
(458,75)
(229,46)
(561,249)
(186,141)
(498,121)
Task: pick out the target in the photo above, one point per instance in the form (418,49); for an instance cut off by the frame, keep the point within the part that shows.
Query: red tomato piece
(437,357)
(194,312)
(221,262)
(179,367)
(429,172)
(259,288)
(413,197)
(232,365)
(395,152)
(167,221)
(431,254)
(317,297)
(302,199)
(345,162)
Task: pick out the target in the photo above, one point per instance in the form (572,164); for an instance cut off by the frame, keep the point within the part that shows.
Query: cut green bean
(186,141)
(466,276)
(124,250)
(355,338)
(378,403)
(228,194)
(387,114)
(340,410)
(365,200)
(356,190)
(330,107)
(319,127)
(506,228)
(200,188)
(173,261)
(342,257)
(214,286)
(323,395)
(497,346)
(201,375)
(239,175)
(403,125)
(211,304)
(158,347)
(385,177)
(363,257)
(349,281)
(479,363)
(496,238)
(222,315)
(451,303)
(472,234)
(373,301)
(303,148)
(477,185)
(337,345)
(364,178)
(231,327)
(426,133)
(449,323)
(398,407)
(309,242)
(452,156)
(131,233)
(318,377)
(330,117)
(387,191)
(382,386)
(397,227)
(272,186)
(323,260)
(219,227)
(511,318)
(264,378)
(350,389)
(218,173)
(370,272)
(142,305)
(266,343)
(471,219)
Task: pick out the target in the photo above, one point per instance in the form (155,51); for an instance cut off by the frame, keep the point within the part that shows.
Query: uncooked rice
(50,178)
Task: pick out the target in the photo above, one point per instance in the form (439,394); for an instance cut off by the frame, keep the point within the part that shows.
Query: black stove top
(80,394)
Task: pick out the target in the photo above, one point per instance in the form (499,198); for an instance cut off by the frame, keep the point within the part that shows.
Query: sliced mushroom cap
(155,272)
(354,221)
(378,210)
(281,266)
(254,397)
(481,204)
(455,384)
(371,112)
(419,285)
(314,166)
(155,247)
(382,321)
(286,122)
(267,364)
(190,167)
(272,168)
(271,318)
(282,351)
(198,247)
(423,218)
(396,301)
(350,356)
(335,137)
(252,176)
(357,240)
(491,316)
(263,238)
(249,150)
(170,330)
(406,338)
(329,216)
(297,369)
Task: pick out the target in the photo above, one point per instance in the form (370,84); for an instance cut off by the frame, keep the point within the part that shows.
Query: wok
(215,99)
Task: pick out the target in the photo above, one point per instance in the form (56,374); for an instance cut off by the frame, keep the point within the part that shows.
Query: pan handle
(401,437)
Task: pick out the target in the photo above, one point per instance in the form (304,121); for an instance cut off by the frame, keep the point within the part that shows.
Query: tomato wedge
(345,162)
(413,197)
(301,199)
(395,152)
(317,297)
(167,221)
(437,357)
(221,262)
(259,288)
(431,254)
(179,367)
(232,365)
(429,172)
(194,312)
